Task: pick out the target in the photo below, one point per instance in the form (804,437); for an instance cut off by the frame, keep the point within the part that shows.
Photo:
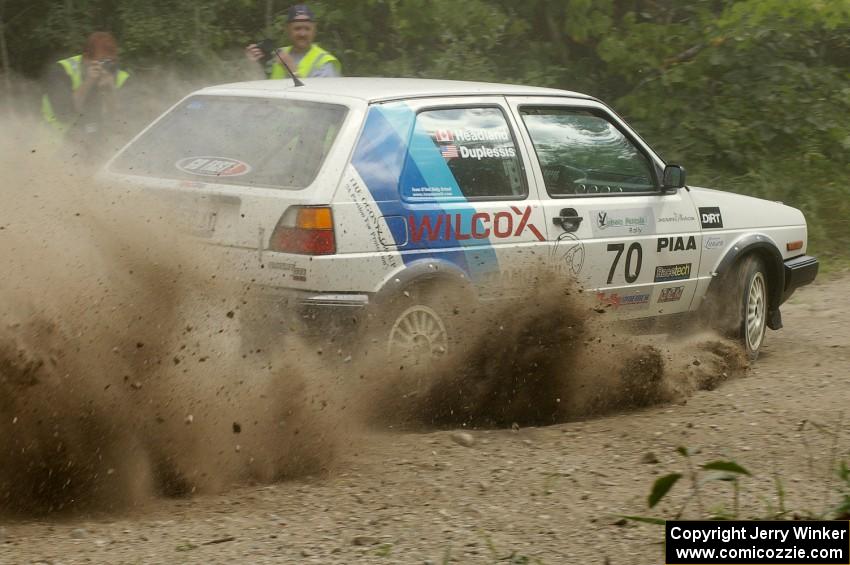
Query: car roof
(384,89)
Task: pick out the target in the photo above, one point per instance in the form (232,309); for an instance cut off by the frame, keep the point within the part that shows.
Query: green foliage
(731,472)
(842,512)
(729,467)
(750,96)
(385,550)
(661,487)
(726,471)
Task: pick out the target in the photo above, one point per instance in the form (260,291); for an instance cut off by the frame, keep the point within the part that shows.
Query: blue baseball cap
(300,13)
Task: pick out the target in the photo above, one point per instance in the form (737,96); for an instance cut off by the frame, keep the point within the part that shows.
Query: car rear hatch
(228,167)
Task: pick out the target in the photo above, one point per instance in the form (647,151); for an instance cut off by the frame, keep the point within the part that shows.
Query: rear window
(231,140)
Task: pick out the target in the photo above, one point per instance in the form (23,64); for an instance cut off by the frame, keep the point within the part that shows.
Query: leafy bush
(749,96)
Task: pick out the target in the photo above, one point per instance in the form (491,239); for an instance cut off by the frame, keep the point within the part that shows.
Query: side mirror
(674,177)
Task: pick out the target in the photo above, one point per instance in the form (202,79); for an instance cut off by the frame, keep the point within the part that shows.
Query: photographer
(81,100)
(305,57)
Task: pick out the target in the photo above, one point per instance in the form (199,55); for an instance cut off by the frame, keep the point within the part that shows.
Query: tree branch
(4,56)
(684,56)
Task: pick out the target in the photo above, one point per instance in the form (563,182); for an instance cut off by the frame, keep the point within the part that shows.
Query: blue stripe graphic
(382,160)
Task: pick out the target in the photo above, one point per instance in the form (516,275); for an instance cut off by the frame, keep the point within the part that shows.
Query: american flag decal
(449,151)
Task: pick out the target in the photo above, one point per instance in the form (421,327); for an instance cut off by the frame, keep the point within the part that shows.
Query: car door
(609,224)
(463,191)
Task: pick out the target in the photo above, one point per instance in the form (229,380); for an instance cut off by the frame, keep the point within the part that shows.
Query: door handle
(569,220)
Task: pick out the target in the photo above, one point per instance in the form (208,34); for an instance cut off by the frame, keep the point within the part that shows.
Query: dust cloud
(120,374)
(552,357)
(123,376)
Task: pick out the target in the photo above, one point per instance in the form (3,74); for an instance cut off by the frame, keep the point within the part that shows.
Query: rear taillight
(307,230)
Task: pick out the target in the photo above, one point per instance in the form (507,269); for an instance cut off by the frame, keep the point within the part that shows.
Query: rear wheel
(418,332)
(419,326)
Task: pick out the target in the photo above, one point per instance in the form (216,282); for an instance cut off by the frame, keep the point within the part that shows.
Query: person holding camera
(81,97)
(304,57)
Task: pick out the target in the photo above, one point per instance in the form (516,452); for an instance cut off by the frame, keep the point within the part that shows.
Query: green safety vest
(74,68)
(314,59)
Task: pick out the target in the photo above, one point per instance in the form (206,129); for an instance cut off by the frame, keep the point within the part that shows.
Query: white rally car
(349,198)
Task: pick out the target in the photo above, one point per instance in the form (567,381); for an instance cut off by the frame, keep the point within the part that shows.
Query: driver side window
(581,152)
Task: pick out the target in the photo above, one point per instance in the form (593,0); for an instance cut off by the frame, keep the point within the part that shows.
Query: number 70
(619,248)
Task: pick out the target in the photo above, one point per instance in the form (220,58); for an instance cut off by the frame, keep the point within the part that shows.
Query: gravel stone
(463,438)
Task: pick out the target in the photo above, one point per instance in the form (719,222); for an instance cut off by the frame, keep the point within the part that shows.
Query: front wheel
(753,305)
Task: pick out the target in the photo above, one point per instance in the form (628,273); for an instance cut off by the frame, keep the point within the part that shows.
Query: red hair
(101,44)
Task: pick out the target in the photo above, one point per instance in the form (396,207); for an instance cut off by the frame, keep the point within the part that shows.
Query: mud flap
(774,319)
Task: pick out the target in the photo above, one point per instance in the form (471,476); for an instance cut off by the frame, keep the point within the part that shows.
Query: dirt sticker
(213,166)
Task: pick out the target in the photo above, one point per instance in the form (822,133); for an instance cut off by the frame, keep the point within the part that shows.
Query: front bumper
(799,271)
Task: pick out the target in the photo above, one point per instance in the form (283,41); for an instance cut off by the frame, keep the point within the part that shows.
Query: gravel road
(530,495)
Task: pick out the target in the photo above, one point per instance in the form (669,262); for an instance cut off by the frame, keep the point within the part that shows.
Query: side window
(581,152)
(462,153)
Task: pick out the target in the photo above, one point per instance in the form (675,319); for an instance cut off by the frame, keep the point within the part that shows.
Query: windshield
(246,141)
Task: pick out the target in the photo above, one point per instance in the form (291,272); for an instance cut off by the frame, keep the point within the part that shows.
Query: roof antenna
(295,79)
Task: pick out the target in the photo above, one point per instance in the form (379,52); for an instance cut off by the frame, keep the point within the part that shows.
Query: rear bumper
(799,271)
(277,310)
(300,300)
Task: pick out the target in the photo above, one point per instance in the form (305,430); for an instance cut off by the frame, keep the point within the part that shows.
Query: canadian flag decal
(443,135)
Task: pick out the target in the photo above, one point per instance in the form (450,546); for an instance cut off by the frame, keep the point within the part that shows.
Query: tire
(749,324)
(419,326)
(418,332)
(416,328)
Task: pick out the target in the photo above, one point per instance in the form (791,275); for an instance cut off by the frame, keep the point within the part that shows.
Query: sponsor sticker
(449,151)
(453,151)
(635,298)
(665,273)
(672,294)
(479,153)
(714,243)
(281,266)
(443,135)
(200,220)
(508,279)
(481,225)
(431,191)
(676,243)
(608,223)
(568,253)
(370,215)
(675,218)
(711,218)
(450,142)
(213,166)
(467,135)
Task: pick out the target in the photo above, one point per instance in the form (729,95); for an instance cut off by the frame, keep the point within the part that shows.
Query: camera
(267,46)
(109,66)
